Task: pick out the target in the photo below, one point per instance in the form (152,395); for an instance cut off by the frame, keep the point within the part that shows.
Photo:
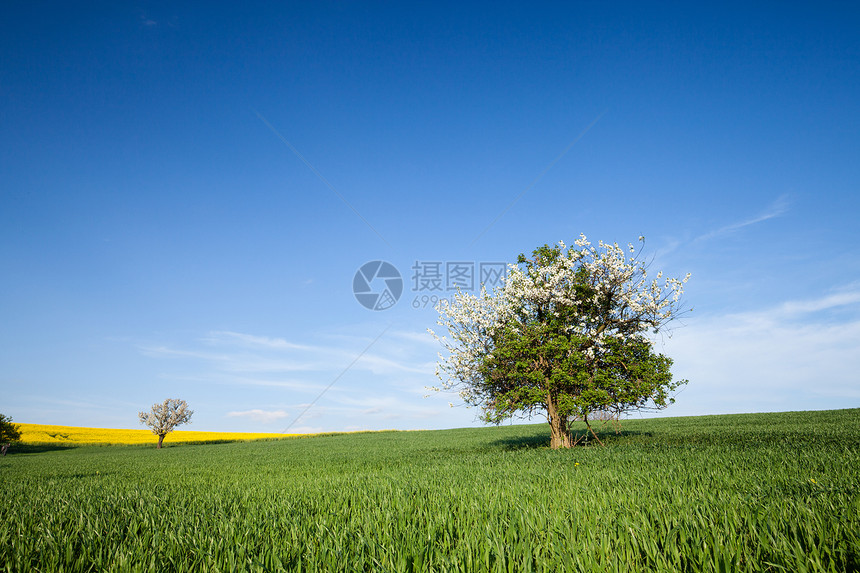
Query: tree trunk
(160,439)
(559,430)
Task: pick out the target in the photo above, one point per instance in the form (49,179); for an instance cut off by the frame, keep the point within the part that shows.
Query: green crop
(757,492)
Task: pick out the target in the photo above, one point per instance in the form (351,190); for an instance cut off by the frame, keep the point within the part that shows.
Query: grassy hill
(756,492)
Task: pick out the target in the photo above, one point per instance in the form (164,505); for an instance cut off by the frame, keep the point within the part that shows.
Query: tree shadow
(18,449)
(201,443)
(543,440)
(522,442)
(624,436)
(624,433)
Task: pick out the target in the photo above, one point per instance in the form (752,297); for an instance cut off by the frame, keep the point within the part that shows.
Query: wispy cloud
(248,353)
(794,354)
(336,378)
(777,208)
(377,378)
(234,361)
(307,430)
(262,416)
(230,379)
(146,21)
(390,407)
(835,300)
(382,365)
(420,338)
(228,338)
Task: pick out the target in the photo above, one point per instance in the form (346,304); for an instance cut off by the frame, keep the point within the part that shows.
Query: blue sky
(187,194)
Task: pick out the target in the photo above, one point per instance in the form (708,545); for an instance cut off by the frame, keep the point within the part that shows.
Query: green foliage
(758,492)
(8,431)
(572,355)
(539,357)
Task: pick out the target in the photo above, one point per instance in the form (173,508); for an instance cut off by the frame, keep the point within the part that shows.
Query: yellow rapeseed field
(42,434)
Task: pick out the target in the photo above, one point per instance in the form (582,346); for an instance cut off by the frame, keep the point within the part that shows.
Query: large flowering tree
(568,333)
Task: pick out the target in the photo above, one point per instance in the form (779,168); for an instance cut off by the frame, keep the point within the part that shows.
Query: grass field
(73,435)
(759,492)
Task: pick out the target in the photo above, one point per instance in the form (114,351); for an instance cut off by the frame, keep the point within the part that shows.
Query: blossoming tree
(163,418)
(567,333)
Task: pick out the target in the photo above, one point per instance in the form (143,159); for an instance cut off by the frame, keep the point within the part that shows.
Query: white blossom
(639,306)
(164,417)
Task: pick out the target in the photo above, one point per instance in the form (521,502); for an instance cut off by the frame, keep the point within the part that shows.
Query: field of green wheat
(756,492)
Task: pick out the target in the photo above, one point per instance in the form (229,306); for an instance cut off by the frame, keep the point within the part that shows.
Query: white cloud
(824,303)
(775,209)
(792,356)
(262,416)
(388,407)
(343,382)
(380,365)
(237,338)
(307,430)
(164,351)
(236,380)
(234,361)
(241,355)
(422,338)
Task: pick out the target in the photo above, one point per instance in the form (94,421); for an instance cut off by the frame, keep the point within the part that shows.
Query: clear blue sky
(187,193)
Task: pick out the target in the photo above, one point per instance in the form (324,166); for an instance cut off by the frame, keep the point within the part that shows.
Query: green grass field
(757,492)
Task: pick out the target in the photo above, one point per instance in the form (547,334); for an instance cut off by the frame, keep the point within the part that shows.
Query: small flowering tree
(163,418)
(9,433)
(566,334)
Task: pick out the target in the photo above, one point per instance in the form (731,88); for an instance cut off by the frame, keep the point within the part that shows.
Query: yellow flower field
(43,434)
